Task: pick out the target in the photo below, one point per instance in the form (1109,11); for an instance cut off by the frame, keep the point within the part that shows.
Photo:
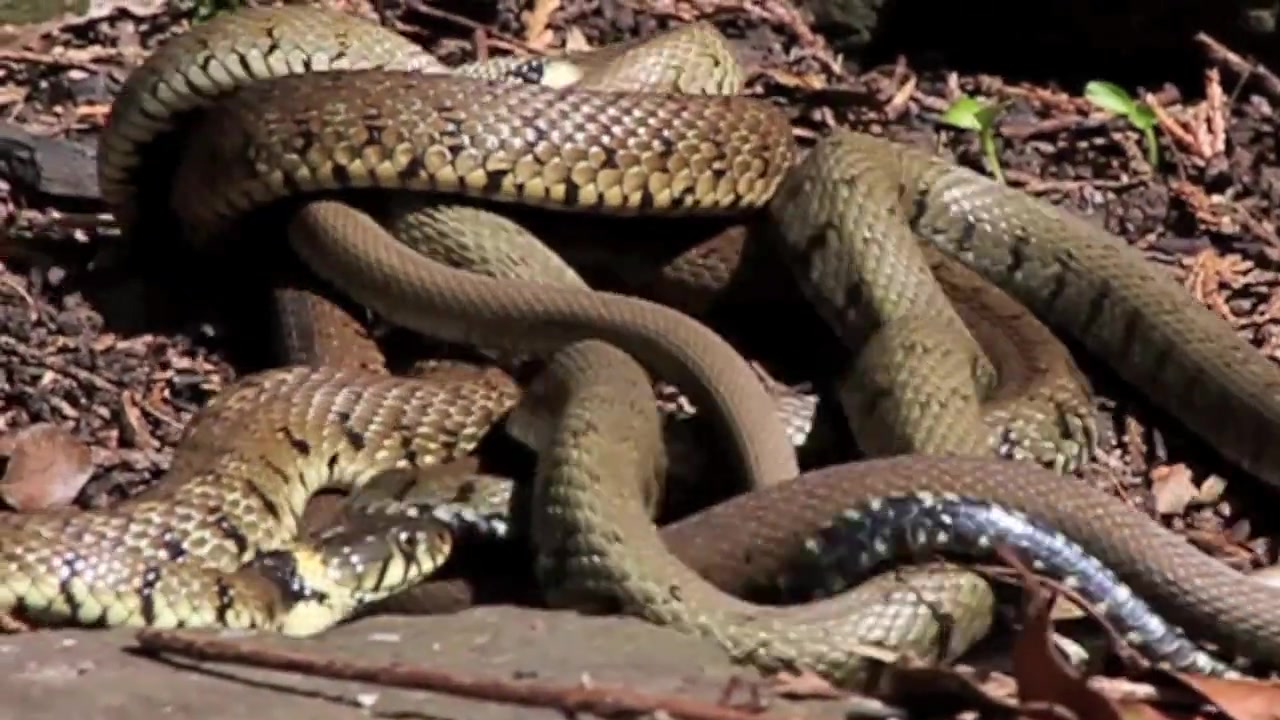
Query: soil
(122,359)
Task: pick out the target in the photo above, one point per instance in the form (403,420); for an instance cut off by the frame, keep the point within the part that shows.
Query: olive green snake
(836,212)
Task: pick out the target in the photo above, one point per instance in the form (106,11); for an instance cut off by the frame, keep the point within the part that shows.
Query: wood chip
(1172,489)
(576,41)
(537,23)
(136,431)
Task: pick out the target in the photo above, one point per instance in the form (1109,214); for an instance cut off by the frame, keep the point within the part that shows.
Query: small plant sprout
(1114,99)
(969,114)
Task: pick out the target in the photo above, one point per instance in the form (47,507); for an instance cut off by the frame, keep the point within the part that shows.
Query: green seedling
(969,114)
(1114,99)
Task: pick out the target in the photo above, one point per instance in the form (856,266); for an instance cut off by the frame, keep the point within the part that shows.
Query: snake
(214,542)
(231,557)
(600,544)
(742,176)
(591,417)
(692,357)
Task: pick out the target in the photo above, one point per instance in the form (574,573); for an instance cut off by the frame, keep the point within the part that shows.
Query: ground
(83,673)
(87,347)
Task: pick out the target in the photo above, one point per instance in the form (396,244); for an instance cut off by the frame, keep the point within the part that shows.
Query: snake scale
(846,216)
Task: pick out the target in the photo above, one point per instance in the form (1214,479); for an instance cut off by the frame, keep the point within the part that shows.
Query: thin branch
(600,700)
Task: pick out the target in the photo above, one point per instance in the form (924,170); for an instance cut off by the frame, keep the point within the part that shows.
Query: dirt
(123,361)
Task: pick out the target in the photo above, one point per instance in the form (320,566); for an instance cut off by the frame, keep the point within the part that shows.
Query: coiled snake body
(847,217)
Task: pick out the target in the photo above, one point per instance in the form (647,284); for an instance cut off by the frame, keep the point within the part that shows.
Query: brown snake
(723,180)
(722,160)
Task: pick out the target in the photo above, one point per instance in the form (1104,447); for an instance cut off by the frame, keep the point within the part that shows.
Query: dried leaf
(1064,610)
(1043,676)
(1241,699)
(135,427)
(945,692)
(48,466)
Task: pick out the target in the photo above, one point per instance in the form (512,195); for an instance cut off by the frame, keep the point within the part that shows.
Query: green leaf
(1143,117)
(987,114)
(965,113)
(1109,97)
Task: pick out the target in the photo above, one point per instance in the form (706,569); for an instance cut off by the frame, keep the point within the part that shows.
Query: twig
(897,104)
(1052,126)
(1034,185)
(1222,54)
(480,40)
(77,59)
(1017,569)
(29,56)
(1215,113)
(1174,128)
(492,36)
(600,700)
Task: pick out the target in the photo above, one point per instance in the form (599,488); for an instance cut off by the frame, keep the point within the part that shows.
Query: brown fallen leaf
(1240,699)
(1043,676)
(947,692)
(48,466)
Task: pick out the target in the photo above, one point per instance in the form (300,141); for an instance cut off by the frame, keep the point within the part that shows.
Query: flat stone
(91,675)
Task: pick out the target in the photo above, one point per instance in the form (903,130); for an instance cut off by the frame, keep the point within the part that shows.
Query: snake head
(376,550)
(380,548)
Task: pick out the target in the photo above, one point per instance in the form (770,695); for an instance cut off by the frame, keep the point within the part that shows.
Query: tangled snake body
(592,391)
(656,154)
